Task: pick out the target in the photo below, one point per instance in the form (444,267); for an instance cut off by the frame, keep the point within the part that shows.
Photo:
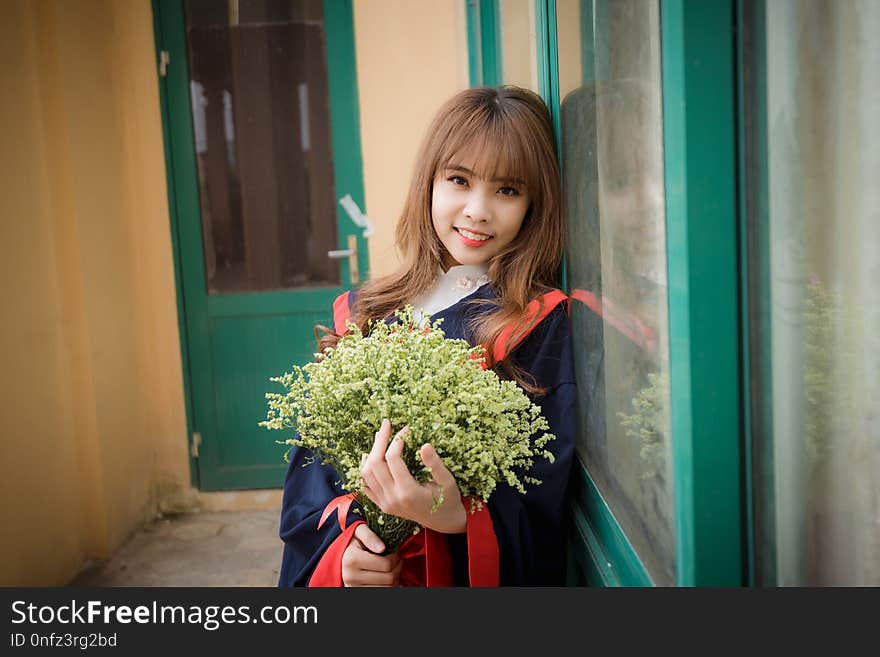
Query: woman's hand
(362,565)
(389,484)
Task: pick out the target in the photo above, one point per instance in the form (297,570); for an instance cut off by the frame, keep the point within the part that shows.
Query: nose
(477,208)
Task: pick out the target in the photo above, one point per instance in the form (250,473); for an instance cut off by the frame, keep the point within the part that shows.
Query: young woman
(481,243)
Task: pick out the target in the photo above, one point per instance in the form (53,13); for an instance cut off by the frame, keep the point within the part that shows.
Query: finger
(372,494)
(361,558)
(372,578)
(369,539)
(366,560)
(371,486)
(380,441)
(398,442)
(439,472)
(394,458)
(375,467)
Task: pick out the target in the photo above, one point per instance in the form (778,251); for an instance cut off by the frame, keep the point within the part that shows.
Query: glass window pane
(518,35)
(612,155)
(813,98)
(260,105)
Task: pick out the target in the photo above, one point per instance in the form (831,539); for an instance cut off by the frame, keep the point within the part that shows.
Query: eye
(508,191)
(457,180)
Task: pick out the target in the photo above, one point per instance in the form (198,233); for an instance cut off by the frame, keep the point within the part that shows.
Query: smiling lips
(473,239)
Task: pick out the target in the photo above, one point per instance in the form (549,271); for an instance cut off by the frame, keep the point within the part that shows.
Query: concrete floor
(214,548)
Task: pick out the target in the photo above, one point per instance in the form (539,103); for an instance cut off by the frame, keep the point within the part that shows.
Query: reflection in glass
(813,164)
(261,122)
(518,36)
(612,138)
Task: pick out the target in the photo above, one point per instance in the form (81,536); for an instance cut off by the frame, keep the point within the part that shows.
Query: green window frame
(484,48)
(754,261)
(706,319)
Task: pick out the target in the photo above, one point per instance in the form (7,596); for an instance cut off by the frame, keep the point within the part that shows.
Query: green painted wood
(170,181)
(267,326)
(592,566)
(485,59)
(192,270)
(605,554)
(755,282)
(345,125)
(475,58)
(491,43)
(262,303)
(186,201)
(553,104)
(552,67)
(542,39)
(255,349)
(700,160)
(548,82)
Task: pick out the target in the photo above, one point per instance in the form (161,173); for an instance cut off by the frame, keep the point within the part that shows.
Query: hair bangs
(493,148)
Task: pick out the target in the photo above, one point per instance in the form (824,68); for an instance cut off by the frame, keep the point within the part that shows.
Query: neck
(470,270)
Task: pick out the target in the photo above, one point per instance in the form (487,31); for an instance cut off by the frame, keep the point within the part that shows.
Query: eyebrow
(458,167)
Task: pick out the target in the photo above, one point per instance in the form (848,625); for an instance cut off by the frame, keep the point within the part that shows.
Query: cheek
(436,213)
(442,207)
(516,217)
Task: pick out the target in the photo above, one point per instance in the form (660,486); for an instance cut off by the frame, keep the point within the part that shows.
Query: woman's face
(475,218)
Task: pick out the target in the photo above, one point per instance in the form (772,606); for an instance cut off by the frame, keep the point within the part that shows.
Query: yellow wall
(411,56)
(568,22)
(93,419)
(94,431)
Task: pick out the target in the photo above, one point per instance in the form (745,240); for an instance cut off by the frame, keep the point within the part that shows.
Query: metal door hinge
(194,445)
(164,60)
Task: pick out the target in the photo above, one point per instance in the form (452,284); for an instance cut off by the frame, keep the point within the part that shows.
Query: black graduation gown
(529,529)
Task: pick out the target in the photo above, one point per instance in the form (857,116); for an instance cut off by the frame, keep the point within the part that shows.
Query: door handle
(352,254)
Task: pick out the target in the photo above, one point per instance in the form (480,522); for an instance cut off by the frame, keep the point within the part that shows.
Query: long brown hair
(510,127)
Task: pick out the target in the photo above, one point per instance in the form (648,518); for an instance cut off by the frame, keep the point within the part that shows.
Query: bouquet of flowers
(413,375)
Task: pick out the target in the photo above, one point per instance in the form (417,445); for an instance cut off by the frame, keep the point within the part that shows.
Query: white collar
(465,277)
(449,288)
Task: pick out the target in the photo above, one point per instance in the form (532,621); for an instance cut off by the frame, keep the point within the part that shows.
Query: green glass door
(262,139)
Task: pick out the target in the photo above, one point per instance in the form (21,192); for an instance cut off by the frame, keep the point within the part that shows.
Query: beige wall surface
(93,416)
(411,57)
(94,429)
